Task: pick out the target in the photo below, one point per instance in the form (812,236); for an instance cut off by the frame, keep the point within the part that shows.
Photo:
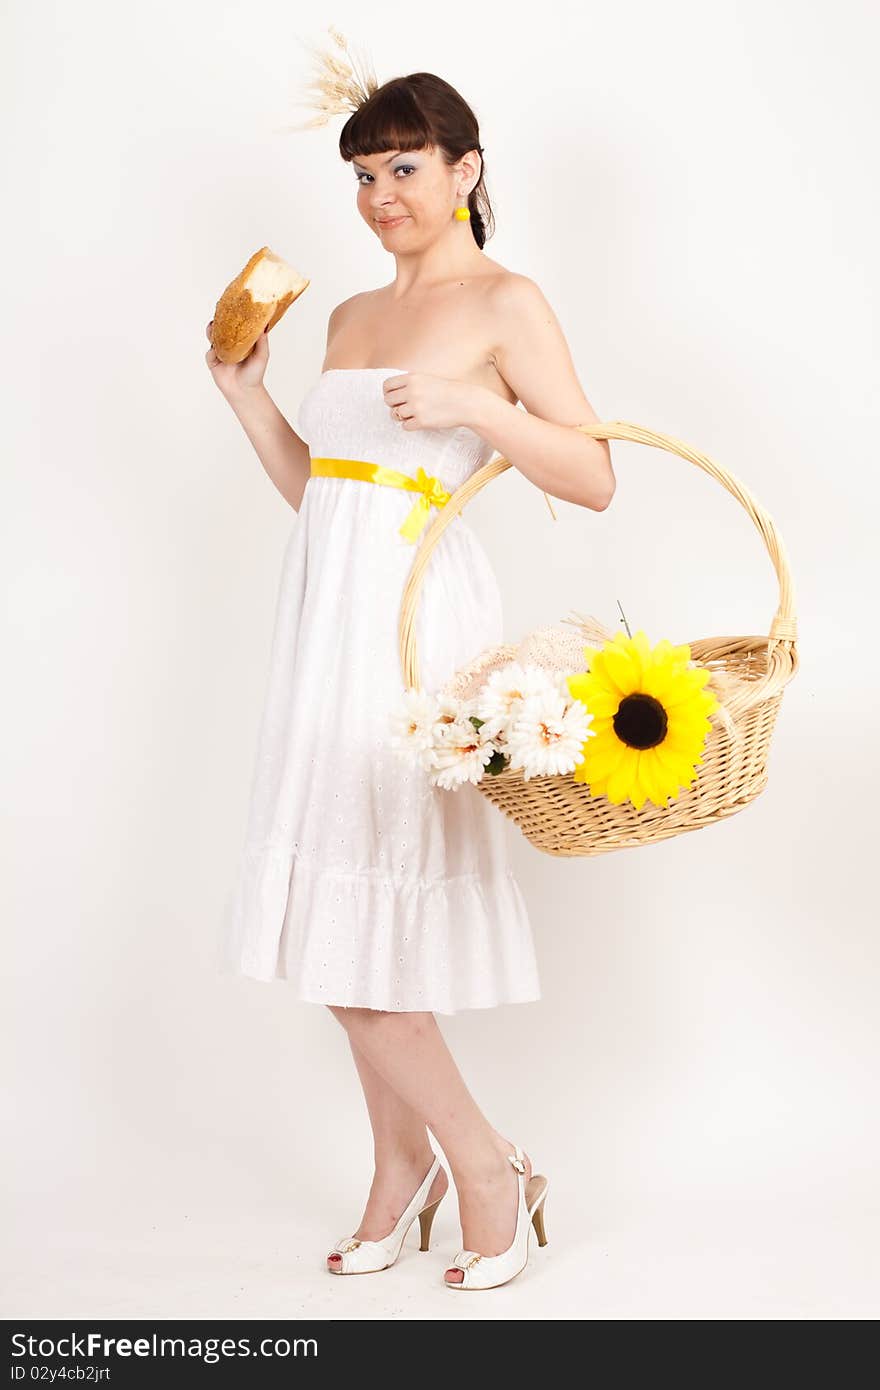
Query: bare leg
(409,1052)
(402,1154)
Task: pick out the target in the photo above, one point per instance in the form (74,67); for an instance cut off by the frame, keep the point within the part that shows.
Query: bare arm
(534,359)
(280,450)
(285,457)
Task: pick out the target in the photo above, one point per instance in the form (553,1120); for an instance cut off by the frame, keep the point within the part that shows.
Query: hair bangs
(389,120)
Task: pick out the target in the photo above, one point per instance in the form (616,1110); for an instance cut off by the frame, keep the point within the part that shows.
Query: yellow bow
(433,493)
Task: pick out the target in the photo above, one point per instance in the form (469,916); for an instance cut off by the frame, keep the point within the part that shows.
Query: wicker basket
(749,674)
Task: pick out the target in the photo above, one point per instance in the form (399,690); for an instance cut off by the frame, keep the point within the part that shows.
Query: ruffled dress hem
(402,944)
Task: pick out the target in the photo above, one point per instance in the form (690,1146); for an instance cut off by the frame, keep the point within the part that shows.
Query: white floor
(197,1253)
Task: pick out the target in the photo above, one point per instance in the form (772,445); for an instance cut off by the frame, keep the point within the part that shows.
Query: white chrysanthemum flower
(449,711)
(413,724)
(460,756)
(501,697)
(546,737)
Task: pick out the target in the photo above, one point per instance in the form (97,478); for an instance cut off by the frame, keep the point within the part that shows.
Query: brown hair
(412,113)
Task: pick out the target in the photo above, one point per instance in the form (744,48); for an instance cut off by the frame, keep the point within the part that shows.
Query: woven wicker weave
(557,814)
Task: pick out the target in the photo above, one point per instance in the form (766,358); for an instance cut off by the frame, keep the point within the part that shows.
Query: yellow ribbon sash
(431,490)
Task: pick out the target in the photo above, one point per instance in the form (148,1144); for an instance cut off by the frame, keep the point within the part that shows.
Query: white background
(694,188)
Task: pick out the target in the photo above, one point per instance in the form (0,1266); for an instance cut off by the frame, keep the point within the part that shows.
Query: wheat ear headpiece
(338,85)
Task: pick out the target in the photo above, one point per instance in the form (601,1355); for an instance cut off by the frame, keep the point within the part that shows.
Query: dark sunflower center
(640,721)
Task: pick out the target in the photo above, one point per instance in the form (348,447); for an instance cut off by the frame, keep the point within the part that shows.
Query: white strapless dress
(360,883)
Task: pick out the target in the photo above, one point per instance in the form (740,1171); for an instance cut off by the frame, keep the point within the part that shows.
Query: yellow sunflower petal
(684,731)
(603,727)
(683,686)
(621,780)
(652,778)
(658,680)
(621,669)
(604,757)
(681,742)
(662,682)
(582,773)
(640,653)
(603,704)
(668,764)
(638,793)
(578,686)
(681,653)
(602,676)
(662,650)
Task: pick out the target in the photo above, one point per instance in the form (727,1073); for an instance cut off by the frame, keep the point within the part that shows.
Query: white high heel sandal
(369,1256)
(488,1271)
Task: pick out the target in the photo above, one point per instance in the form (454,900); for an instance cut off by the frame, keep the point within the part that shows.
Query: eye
(410,167)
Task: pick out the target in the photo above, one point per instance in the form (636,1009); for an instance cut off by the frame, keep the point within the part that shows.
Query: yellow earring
(462,214)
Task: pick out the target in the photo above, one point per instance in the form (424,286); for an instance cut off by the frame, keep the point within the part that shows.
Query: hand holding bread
(247,309)
(232,376)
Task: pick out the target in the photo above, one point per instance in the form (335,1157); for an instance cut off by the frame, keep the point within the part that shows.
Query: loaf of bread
(254,300)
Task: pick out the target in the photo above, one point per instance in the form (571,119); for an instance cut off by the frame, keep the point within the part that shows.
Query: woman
(365,888)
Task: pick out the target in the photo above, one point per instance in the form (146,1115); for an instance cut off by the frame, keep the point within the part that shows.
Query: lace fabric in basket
(555,647)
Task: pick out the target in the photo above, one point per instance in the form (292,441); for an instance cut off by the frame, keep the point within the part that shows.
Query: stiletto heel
(538,1220)
(369,1256)
(488,1271)
(426,1218)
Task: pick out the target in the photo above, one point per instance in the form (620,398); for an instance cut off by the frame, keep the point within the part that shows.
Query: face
(407,196)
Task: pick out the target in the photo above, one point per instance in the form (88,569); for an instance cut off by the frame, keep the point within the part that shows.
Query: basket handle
(783,628)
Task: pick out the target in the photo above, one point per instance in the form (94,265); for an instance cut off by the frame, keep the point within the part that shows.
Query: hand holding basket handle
(558,814)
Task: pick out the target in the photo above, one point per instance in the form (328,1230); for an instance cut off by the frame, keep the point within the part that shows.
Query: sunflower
(649,719)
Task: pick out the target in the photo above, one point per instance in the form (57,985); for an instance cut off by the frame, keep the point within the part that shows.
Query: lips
(390,221)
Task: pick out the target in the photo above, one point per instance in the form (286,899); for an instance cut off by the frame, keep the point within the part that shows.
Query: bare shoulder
(344,308)
(517,306)
(344,319)
(516,294)
(532,354)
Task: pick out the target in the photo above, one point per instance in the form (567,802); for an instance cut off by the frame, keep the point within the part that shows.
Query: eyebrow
(384,161)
